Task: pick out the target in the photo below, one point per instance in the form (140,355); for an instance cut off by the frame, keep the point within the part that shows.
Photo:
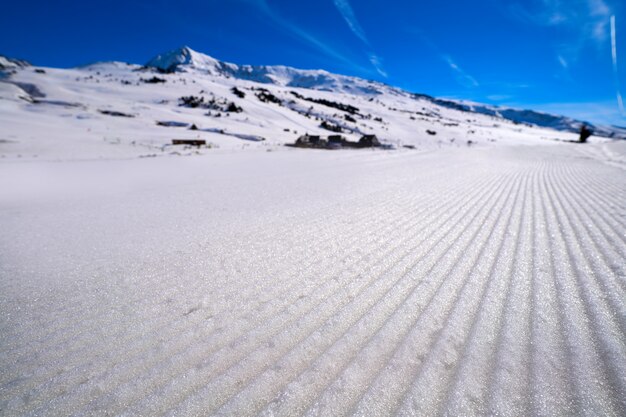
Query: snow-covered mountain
(532,117)
(185,59)
(184,94)
(7,63)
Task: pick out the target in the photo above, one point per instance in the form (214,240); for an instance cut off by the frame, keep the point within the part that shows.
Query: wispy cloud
(591,16)
(376,62)
(586,20)
(346,11)
(303,34)
(462,77)
(600,14)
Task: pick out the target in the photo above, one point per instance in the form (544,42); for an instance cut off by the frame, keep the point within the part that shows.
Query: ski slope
(456,281)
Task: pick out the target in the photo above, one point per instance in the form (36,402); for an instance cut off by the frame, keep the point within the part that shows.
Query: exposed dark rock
(191,101)
(115,113)
(266,97)
(166,123)
(330,126)
(191,142)
(233,108)
(238,92)
(339,106)
(62,103)
(153,80)
(221,105)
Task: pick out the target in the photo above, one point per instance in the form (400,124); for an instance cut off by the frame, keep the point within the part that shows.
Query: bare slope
(458,282)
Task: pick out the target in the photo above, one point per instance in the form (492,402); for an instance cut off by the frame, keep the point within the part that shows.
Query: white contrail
(620,101)
(462,77)
(346,11)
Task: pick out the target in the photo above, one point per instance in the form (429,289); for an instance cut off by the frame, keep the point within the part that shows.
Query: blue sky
(553,55)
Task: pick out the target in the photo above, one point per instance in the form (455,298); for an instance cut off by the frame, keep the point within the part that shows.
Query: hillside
(474,266)
(113,109)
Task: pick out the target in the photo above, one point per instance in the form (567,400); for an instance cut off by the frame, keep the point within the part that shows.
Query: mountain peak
(185,59)
(12,63)
(181,58)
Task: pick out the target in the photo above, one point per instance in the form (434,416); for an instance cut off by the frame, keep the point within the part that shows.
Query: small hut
(369,141)
(309,141)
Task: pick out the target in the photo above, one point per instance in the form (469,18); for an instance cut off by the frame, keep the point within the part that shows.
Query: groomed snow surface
(455,281)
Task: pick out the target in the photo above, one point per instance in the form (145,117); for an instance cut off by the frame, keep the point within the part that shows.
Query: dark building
(369,141)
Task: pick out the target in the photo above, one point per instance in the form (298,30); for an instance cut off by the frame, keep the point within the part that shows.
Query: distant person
(585,132)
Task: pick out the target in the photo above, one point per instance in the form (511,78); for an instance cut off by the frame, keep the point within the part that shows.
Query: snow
(288,283)
(58,114)
(10,63)
(249,278)
(183,57)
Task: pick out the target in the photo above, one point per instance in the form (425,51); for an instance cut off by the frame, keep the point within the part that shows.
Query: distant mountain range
(185,59)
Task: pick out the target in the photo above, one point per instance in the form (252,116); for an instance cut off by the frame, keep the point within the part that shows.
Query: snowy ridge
(182,59)
(533,117)
(186,59)
(12,63)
